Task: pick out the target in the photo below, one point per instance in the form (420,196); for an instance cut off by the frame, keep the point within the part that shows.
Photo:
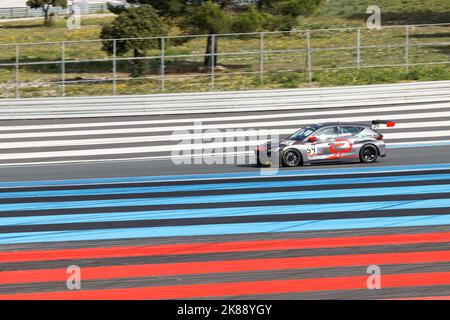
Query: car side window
(327,134)
(349,131)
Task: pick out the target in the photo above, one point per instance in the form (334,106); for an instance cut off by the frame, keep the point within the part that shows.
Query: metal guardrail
(27,12)
(260,54)
(238,101)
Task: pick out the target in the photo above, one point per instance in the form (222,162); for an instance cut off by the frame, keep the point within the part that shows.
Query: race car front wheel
(291,158)
(368,154)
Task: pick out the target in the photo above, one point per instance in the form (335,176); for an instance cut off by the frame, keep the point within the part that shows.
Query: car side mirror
(312,139)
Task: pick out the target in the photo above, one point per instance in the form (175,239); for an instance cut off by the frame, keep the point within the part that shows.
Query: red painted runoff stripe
(209,267)
(204,248)
(242,288)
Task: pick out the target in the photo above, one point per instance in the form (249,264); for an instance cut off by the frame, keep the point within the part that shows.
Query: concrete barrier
(236,101)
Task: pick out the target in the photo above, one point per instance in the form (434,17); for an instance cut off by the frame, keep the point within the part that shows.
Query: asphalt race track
(137,168)
(141,227)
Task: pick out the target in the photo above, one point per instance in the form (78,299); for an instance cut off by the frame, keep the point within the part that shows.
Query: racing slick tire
(368,153)
(291,158)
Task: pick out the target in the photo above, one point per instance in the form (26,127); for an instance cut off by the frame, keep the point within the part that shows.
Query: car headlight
(284,145)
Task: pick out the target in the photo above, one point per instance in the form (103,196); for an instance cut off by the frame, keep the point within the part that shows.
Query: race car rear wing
(376,123)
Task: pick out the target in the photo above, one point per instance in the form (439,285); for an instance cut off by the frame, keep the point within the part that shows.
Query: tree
(220,16)
(251,20)
(167,8)
(137,22)
(210,18)
(45,5)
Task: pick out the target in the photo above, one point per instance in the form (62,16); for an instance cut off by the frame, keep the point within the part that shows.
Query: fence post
(213,56)
(308,42)
(114,67)
(358,47)
(63,69)
(17,71)
(261,58)
(406,47)
(163,64)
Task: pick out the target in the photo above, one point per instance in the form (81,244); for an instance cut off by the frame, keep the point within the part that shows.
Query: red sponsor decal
(340,147)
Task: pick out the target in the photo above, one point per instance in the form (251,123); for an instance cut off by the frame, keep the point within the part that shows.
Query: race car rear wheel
(291,158)
(368,154)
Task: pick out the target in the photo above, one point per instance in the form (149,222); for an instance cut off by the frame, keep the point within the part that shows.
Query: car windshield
(302,133)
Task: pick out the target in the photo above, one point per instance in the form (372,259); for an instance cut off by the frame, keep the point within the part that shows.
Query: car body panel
(335,142)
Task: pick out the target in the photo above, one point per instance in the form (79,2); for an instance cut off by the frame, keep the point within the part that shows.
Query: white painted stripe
(229,118)
(431,142)
(255,125)
(110,151)
(183,146)
(251,155)
(165,138)
(207,135)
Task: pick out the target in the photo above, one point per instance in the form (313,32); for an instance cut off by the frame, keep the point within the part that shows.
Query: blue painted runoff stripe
(223,229)
(306,171)
(221,186)
(293,195)
(226,212)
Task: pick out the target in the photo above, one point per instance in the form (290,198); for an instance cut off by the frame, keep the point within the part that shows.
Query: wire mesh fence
(233,61)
